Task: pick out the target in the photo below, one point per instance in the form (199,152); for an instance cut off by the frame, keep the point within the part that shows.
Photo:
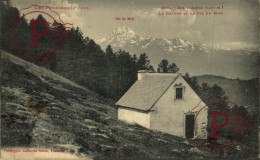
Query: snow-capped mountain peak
(119,37)
(123,30)
(125,38)
(190,57)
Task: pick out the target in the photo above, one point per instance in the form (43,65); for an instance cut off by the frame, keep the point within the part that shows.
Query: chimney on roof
(141,73)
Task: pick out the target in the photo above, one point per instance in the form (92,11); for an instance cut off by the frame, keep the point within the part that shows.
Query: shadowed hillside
(241,92)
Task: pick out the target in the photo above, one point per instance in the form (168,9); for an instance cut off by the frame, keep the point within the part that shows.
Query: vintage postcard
(129,79)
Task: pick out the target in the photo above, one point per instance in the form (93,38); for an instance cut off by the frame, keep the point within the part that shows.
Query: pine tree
(165,67)
(143,63)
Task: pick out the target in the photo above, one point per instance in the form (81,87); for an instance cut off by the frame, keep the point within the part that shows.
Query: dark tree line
(109,73)
(24,33)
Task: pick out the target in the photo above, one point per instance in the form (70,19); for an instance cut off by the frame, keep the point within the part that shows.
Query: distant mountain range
(197,59)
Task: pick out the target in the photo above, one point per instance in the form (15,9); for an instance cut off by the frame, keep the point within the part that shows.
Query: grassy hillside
(43,110)
(241,92)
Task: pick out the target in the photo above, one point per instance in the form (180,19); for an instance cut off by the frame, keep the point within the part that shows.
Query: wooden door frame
(184,121)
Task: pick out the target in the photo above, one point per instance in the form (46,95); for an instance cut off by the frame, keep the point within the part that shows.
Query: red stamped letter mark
(214,122)
(46,38)
(226,126)
(35,32)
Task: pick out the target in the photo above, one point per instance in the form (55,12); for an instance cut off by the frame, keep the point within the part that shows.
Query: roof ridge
(143,94)
(164,92)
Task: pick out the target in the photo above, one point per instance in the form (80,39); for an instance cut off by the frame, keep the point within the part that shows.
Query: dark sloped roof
(145,92)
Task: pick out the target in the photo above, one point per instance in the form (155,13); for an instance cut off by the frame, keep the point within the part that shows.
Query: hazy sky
(237,28)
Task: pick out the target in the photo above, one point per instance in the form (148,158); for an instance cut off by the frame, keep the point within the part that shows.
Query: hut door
(189,126)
